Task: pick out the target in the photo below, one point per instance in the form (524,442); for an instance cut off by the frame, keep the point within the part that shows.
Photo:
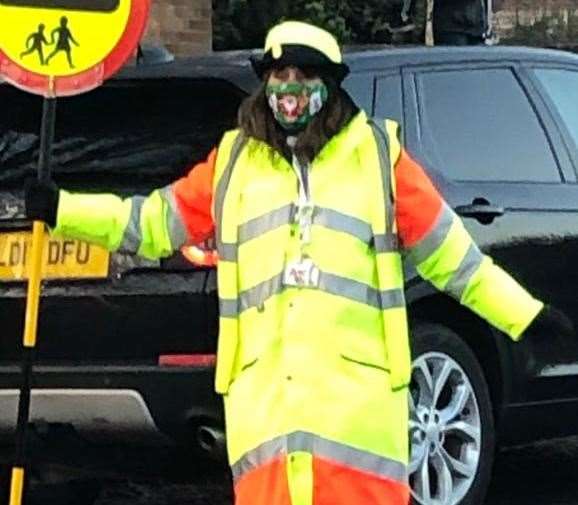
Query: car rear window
(562,87)
(125,136)
(479,125)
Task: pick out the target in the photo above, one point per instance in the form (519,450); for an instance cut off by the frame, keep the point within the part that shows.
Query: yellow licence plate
(63,259)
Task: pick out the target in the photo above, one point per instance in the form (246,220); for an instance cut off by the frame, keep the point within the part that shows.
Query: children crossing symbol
(66,47)
(61,36)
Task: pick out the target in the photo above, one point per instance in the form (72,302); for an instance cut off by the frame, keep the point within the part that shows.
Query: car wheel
(451,427)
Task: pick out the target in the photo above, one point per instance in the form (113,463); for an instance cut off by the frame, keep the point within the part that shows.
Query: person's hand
(549,323)
(41,199)
(550,339)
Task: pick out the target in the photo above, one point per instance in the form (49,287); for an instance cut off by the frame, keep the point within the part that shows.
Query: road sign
(66,47)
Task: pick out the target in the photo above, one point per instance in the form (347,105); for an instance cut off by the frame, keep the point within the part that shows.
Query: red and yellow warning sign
(67,47)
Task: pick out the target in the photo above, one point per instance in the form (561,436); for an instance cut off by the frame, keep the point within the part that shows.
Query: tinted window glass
(479,125)
(360,87)
(125,136)
(562,86)
(389,98)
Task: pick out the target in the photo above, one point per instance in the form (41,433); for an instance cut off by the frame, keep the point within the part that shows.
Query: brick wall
(551,23)
(182,26)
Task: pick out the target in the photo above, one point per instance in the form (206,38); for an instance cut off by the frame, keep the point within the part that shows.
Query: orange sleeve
(194,196)
(418,202)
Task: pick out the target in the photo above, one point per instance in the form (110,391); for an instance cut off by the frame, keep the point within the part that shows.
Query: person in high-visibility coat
(311,203)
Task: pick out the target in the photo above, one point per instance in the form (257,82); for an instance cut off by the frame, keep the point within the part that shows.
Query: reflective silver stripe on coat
(322,448)
(253,297)
(381,141)
(228,252)
(228,308)
(434,239)
(359,292)
(221,192)
(344,223)
(328,218)
(328,283)
(257,295)
(385,243)
(468,267)
(177,231)
(132,237)
(265,223)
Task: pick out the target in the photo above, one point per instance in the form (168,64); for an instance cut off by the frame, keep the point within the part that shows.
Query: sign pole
(17,489)
(490,35)
(57,48)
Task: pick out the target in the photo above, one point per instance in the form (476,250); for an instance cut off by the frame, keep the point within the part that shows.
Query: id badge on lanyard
(302,274)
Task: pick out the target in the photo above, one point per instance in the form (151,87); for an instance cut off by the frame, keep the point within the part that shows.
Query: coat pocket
(243,364)
(364,350)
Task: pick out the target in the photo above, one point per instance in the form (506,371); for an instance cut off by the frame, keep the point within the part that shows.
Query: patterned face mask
(294,104)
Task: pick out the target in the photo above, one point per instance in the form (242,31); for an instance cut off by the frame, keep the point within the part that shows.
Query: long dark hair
(257,121)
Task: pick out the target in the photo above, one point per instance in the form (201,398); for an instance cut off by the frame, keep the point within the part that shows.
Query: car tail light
(187,360)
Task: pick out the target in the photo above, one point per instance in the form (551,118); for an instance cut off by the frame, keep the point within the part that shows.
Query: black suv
(129,352)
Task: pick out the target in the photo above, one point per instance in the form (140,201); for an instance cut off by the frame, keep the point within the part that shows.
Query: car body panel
(147,309)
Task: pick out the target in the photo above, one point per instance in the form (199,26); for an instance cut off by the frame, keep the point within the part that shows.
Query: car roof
(400,56)
(234,66)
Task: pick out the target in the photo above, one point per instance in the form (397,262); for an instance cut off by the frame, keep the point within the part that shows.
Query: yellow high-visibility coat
(313,357)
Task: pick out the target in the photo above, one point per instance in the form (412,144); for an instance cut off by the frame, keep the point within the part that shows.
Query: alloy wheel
(444,431)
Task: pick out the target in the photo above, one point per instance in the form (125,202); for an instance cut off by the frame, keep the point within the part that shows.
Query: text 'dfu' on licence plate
(63,259)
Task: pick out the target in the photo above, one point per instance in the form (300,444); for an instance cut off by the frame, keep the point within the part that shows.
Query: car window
(479,125)
(359,86)
(389,98)
(126,136)
(562,86)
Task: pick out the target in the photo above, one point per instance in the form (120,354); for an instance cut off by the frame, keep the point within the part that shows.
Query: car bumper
(116,404)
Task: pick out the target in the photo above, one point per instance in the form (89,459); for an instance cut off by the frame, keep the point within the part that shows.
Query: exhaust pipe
(212,440)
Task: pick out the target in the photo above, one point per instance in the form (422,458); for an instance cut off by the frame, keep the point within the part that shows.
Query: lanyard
(303,272)
(304,213)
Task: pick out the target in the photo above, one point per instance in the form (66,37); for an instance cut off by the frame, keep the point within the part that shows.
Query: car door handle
(485,213)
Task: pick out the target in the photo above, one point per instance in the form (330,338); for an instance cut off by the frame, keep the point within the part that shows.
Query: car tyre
(451,429)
